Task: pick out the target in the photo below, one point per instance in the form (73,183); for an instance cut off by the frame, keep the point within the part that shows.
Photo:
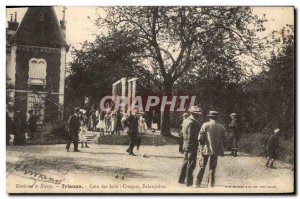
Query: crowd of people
(209,139)
(108,122)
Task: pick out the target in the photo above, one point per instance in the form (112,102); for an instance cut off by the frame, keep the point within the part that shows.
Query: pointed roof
(39,27)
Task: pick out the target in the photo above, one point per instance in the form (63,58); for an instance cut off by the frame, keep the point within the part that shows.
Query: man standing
(234,134)
(211,140)
(132,123)
(190,131)
(74,127)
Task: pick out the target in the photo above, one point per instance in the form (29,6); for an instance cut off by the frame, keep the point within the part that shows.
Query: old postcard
(150,99)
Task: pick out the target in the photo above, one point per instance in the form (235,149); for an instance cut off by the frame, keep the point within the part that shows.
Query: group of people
(19,124)
(133,124)
(210,140)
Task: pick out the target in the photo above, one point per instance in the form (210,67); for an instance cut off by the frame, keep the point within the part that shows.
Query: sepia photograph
(150,99)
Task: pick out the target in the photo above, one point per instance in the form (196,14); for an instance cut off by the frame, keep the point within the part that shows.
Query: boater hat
(232,114)
(276,130)
(213,114)
(195,109)
(185,114)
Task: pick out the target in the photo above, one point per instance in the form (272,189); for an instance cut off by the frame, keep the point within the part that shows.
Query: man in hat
(211,139)
(272,148)
(132,123)
(234,134)
(74,127)
(190,131)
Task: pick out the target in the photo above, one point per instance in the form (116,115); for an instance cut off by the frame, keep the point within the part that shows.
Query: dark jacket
(74,124)
(32,120)
(132,122)
(234,129)
(273,143)
(190,131)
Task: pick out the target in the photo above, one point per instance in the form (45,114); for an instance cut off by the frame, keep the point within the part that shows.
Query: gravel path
(155,169)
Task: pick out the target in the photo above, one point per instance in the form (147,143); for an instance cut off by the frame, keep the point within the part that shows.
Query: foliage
(179,40)
(97,65)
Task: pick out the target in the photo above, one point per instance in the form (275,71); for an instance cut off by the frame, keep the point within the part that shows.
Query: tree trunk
(165,126)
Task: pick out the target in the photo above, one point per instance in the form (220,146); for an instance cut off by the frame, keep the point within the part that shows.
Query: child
(272,148)
(82,134)
(101,123)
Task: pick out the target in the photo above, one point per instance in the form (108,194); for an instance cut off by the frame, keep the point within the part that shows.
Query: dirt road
(155,169)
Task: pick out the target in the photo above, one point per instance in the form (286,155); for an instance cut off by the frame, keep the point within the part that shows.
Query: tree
(98,64)
(177,39)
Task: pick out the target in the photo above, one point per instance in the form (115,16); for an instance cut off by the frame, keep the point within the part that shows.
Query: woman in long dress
(142,125)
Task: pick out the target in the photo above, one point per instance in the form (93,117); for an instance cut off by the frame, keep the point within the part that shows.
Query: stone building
(36,51)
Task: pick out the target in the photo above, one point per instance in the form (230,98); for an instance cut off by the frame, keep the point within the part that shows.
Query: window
(37,72)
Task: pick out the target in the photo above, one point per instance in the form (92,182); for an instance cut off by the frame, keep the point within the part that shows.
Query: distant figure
(119,126)
(9,128)
(184,116)
(19,128)
(211,139)
(142,125)
(156,120)
(93,120)
(107,122)
(88,111)
(82,134)
(74,127)
(101,123)
(190,131)
(132,123)
(272,146)
(97,114)
(31,124)
(148,119)
(113,123)
(234,134)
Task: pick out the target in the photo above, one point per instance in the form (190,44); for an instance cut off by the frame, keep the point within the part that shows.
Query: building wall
(53,58)
(22,68)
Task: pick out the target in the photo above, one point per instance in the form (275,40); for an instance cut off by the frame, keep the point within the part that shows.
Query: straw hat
(195,109)
(233,114)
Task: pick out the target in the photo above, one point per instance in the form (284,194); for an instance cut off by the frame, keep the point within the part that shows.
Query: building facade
(36,52)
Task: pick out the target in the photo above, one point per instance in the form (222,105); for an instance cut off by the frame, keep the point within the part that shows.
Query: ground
(155,169)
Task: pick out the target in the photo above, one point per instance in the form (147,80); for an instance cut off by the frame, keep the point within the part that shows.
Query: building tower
(36,62)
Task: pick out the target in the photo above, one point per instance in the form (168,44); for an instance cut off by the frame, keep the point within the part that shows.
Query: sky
(80,21)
